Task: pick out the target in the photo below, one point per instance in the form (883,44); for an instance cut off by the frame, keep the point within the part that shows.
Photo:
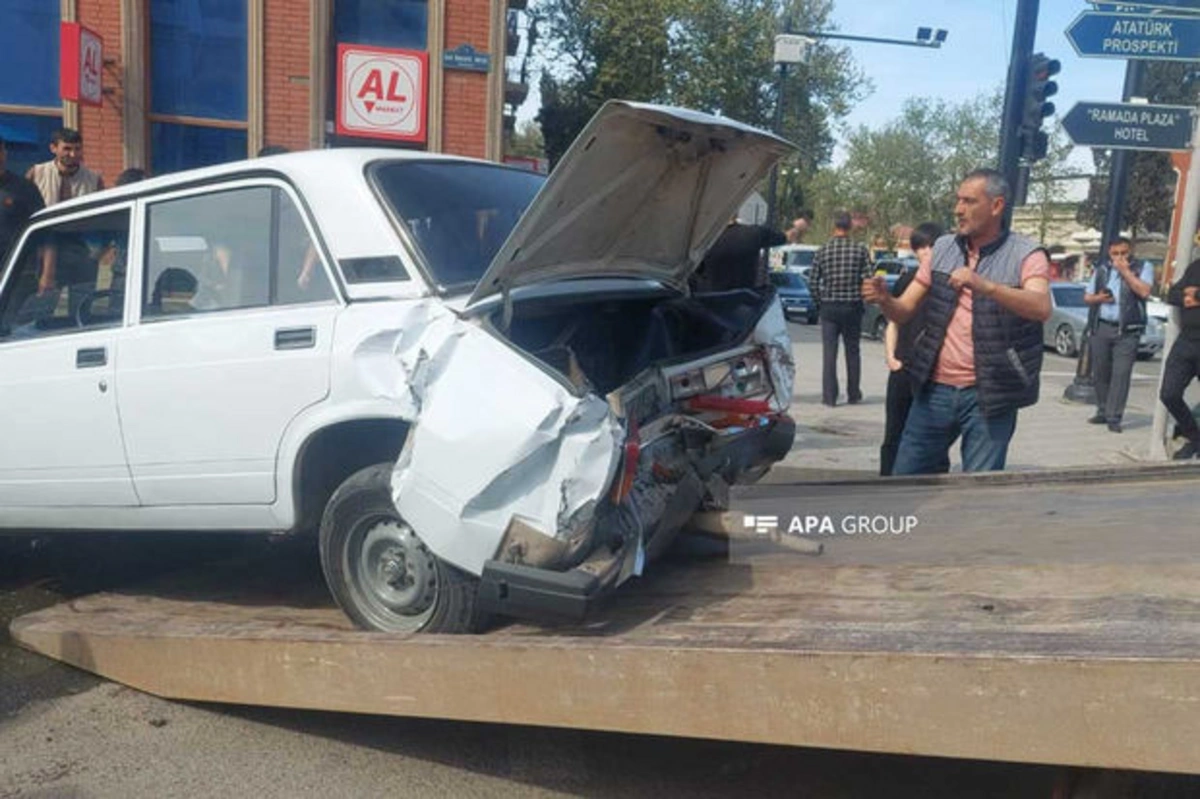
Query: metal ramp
(1022,621)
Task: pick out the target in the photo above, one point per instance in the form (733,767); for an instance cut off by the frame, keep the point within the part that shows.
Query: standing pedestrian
(978,357)
(898,346)
(19,200)
(64,177)
(838,271)
(1183,362)
(1120,291)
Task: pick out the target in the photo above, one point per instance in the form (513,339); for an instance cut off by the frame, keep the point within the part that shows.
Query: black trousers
(1182,366)
(899,400)
(844,320)
(1113,356)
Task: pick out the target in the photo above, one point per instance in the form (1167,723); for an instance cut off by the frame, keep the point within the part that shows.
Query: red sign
(382,94)
(81,64)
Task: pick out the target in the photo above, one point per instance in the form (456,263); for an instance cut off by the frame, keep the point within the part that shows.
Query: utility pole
(1024,32)
(776,127)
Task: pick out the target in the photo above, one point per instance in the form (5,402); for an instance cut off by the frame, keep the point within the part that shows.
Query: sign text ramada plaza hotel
(187,83)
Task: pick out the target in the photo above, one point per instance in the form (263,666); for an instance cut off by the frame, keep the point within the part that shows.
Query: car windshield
(1069,297)
(789,280)
(798,257)
(459,214)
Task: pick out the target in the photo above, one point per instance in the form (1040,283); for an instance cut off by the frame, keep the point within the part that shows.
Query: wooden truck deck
(1023,618)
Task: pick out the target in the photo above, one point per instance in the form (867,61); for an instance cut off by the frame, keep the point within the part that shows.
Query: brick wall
(286,79)
(102,127)
(465,95)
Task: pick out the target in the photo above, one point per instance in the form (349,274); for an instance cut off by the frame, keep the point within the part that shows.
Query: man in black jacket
(1183,362)
(19,200)
(735,260)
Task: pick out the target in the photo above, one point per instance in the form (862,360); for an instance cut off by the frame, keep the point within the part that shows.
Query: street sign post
(1127,126)
(1098,34)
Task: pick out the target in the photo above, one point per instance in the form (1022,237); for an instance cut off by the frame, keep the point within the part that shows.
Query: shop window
(174,147)
(382,23)
(29,37)
(198,82)
(30,109)
(28,138)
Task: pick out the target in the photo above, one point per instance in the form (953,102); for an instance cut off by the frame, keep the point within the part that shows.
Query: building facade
(188,83)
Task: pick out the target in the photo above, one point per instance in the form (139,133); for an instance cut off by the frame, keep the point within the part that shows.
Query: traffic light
(1038,87)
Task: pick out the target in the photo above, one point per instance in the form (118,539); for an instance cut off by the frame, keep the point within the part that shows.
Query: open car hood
(643,192)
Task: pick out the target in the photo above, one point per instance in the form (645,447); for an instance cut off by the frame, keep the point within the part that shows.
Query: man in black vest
(1120,292)
(1183,362)
(978,359)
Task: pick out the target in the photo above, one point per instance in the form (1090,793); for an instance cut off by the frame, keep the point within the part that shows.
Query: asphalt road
(64,733)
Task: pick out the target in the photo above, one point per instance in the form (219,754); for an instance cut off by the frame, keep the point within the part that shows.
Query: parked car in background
(1069,316)
(874,323)
(793,257)
(795,296)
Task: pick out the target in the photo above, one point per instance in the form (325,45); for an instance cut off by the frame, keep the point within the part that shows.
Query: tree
(527,141)
(712,55)
(1045,188)
(908,171)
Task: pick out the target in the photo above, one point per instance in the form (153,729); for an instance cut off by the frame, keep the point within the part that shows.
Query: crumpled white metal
(494,437)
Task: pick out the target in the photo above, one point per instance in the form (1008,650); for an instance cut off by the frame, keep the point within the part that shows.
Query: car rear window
(799,257)
(1069,297)
(459,214)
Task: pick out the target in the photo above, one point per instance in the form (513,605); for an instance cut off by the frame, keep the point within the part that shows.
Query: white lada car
(486,391)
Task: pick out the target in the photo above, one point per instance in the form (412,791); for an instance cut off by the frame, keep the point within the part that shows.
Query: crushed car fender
(494,438)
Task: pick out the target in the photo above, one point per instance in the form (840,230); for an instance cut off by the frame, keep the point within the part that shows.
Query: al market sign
(81,62)
(382,93)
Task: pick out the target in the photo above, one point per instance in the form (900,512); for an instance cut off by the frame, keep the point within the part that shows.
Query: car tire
(812,318)
(381,574)
(1064,341)
(880,328)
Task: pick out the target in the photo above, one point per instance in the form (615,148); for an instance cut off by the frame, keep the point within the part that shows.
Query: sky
(974,58)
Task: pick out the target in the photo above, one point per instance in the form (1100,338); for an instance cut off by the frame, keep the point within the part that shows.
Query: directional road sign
(1145,37)
(1185,6)
(1130,126)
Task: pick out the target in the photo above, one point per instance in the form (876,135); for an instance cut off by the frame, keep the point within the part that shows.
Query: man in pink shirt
(977,362)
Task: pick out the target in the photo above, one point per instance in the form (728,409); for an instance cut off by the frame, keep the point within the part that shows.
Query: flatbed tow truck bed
(1026,617)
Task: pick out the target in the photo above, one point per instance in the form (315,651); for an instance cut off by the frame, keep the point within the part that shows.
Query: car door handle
(295,338)
(91,357)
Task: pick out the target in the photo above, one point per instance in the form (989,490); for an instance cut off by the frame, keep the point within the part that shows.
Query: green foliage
(711,55)
(908,171)
(527,141)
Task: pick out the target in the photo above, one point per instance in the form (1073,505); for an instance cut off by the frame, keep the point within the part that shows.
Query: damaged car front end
(571,416)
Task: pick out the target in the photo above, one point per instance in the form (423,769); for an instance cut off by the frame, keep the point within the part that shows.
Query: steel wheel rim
(395,572)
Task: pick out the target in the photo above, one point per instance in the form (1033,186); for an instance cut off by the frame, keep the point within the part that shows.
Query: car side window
(67,277)
(300,277)
(238,248)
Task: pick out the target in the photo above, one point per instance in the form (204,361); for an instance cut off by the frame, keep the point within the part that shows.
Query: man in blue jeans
(986,293)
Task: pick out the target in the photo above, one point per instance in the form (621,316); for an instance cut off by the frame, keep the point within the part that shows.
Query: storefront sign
(81,63)
(382,93)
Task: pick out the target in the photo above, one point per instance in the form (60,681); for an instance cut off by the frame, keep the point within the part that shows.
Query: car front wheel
(1064,341)
(381,573)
